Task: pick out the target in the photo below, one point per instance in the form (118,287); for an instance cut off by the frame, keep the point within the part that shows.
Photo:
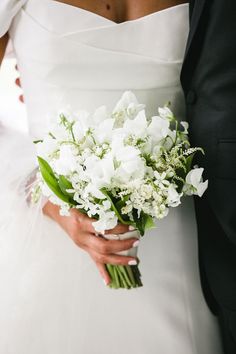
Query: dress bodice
(73,57)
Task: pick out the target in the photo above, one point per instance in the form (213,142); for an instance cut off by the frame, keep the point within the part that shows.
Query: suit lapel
(198,6)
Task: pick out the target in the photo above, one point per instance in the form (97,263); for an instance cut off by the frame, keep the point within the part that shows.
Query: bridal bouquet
(118,166)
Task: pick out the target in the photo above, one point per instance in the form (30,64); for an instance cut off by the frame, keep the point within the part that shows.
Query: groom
(209,81)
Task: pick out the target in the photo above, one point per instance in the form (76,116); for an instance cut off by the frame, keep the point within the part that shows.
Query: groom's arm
(3,45)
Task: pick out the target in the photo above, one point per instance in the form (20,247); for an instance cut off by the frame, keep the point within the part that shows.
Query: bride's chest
(69,46)
(120,11)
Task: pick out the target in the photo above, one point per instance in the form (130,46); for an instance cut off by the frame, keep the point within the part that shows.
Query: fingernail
(136,243)
(133,262)
(105,282)
(131,228)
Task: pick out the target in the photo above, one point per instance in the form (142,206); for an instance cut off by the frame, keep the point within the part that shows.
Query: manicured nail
(133,262)
(136,243)
(131,228)
(105,282)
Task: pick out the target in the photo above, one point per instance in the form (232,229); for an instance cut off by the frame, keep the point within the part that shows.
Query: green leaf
(149,223)
(189,161)
(139,221)
(51,180)
(120,218)
(143,222)
(120,204)
(64,185)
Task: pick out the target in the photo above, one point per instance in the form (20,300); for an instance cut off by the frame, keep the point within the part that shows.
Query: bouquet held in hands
(118,166)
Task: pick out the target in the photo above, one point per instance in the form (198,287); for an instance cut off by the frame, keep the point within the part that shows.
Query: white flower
(173,198)
(137,126)
(160,180)
(158,128)
(185,125)
(165,113)
(66,163)
(100,114)
(194,182)
(65,210)
(127,106)
(47,147)
(81,125)
(130,162)
(94,191)
(59,132)
(126,153)
(99,170)
(103,131)
(107,221)
(146,191)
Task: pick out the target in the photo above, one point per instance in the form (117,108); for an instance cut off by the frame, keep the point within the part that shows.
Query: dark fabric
(228,330)
(209,81)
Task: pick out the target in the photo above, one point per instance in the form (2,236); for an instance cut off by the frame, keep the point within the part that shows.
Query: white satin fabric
(52,298)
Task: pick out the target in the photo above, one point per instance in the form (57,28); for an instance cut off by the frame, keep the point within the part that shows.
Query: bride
(83,54)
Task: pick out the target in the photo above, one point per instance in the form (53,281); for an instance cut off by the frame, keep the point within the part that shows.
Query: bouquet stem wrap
(124,276)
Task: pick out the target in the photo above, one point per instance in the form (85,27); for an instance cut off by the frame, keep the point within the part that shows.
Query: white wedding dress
(52,298)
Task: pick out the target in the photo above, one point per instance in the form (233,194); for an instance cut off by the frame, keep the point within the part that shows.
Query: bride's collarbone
(122,10)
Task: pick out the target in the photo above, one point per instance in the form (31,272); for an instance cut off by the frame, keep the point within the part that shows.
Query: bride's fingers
(104,246)
(113,259)
(84,221)
(119,229)
(18,82)
(102,270)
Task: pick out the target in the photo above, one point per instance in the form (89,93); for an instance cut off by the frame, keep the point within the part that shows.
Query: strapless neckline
(99,61)
(105,19)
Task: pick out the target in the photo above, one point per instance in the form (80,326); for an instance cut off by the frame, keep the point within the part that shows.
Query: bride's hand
(80,229)
(18,83)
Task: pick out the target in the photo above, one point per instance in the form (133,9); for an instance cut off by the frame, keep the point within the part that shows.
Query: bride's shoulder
(8,10)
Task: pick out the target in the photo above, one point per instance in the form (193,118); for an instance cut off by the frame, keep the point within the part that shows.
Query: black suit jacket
(209,81)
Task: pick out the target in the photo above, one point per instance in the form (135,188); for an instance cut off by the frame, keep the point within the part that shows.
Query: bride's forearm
(3,45)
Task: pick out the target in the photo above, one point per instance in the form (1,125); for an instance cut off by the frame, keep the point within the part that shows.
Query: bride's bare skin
(123,10)
(79,226)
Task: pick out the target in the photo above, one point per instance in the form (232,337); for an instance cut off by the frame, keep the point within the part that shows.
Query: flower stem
(126,277)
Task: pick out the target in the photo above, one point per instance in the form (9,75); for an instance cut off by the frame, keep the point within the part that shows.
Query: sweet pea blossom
(66,163)
(174,198)
(127,107)
(185,125)
(194,182)
(107,221)
(165,113)
(137,126)
(158,128)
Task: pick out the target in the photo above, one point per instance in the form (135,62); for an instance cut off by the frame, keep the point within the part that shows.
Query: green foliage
(52,181)
(142,222)
(64,185)
(114,207)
